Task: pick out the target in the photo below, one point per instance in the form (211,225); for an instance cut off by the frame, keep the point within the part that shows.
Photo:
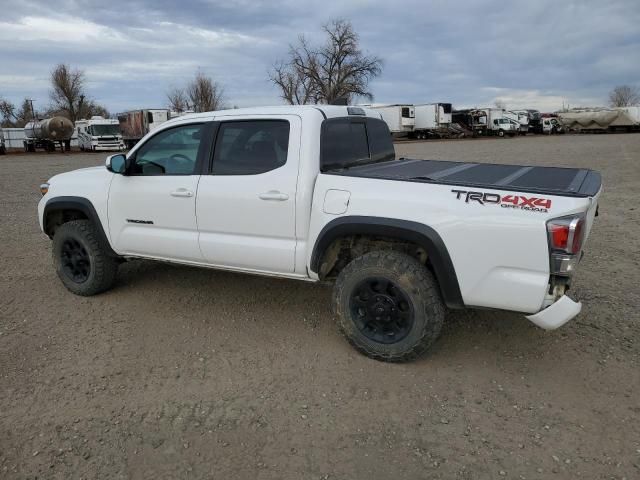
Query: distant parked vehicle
(550,124)
(520,118)
(492,121)
(47,134)
(432,119)
(3,148)
(99,133)
(135,124)
(400,118)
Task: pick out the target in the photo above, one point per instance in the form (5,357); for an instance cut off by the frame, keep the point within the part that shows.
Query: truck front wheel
(388,306)
(80,259)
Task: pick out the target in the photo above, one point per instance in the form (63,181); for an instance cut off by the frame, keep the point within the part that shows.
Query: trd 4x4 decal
(520,202)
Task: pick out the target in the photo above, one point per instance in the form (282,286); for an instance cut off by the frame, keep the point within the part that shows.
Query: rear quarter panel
(500,254)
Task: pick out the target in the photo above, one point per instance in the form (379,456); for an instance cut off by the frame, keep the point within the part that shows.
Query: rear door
(246,207)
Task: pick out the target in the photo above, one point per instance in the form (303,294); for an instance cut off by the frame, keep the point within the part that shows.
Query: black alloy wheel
(381,310)
(75,260)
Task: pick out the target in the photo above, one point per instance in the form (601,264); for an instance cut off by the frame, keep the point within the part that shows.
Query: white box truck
(498,124)
(99,133)
(432,119)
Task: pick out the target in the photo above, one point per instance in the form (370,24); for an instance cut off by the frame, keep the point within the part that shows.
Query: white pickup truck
(316,193)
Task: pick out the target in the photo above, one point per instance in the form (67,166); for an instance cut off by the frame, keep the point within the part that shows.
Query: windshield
(100,130)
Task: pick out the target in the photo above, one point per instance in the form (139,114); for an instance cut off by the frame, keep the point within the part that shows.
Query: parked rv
(400,118)
(135,124)
(432,119)
(99,133)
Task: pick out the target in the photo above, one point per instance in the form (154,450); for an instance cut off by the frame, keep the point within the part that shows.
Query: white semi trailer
(99,133)
(400,118)
(135,124)
(432,119)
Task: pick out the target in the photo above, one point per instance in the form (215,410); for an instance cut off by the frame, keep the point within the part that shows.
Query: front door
(152,209)
(246,206)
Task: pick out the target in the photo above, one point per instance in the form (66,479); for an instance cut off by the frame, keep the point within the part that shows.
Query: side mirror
(117,163)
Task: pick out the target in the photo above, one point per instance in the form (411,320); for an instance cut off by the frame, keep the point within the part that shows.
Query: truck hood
(81,172)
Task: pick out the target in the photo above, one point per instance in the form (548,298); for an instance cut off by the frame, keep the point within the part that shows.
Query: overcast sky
(537,53)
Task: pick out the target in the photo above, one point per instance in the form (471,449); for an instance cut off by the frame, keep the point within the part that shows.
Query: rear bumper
(557,314)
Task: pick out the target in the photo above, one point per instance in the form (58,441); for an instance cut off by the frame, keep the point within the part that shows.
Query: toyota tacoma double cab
(316,193)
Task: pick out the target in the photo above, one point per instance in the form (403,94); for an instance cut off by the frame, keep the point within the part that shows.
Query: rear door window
(250,147)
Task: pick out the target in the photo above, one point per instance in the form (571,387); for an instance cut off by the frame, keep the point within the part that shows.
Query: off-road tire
(103,267)
(419,286)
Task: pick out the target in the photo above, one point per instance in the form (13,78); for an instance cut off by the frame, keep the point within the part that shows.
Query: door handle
(182,192)
(274,195)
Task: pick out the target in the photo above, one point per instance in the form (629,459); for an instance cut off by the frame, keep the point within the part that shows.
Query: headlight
(44,188)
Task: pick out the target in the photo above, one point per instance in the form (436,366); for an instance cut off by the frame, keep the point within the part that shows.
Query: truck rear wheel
(388,306)
(80,259)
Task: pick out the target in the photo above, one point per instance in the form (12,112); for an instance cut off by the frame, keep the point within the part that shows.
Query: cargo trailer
(432,119)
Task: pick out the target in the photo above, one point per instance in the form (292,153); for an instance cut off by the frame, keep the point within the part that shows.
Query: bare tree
(178,100)
(69,97)
(67,91)
(14,117)
(8,113)
(296,87)
(205,95)
(624,96)
(337,69)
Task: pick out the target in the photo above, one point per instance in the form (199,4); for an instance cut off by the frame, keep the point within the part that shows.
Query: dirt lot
(187,373)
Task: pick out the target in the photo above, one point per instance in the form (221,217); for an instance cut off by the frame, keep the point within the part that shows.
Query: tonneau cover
(570,182)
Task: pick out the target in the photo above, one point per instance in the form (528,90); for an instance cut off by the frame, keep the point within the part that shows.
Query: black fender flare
(414,232)
(83,205)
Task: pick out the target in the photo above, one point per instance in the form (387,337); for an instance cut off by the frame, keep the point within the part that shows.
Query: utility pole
(33,112)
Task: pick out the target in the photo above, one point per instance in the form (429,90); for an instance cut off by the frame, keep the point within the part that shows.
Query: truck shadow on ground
(285,303)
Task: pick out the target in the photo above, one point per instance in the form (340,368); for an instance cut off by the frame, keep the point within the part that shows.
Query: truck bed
(568,182)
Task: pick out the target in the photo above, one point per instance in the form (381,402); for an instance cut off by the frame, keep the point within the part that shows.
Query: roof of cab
(328,111)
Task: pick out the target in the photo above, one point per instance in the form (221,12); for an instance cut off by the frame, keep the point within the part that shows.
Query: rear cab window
(350,141)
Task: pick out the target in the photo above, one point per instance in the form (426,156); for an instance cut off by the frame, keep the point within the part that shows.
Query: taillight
(566,234)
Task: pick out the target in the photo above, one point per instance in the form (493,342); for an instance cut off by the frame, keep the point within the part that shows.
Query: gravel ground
(188,373)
